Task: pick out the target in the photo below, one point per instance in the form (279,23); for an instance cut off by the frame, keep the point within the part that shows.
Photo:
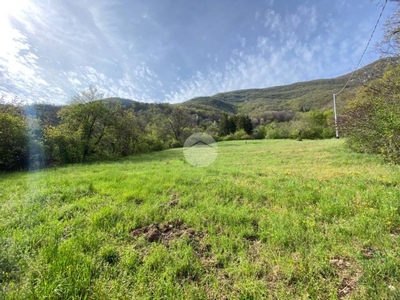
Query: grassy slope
(269,219)
(314,94)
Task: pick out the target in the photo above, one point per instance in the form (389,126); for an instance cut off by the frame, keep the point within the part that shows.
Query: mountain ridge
(298,96)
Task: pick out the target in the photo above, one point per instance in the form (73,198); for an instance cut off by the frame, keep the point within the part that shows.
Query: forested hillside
(299,97)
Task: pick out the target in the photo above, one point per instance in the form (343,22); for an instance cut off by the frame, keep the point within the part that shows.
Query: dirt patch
(174,201)
(349,274)
(165,233)
(134,199)
(395,230)
(138,201)
(368,252)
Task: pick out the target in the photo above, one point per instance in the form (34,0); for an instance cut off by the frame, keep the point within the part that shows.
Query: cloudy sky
(174,50)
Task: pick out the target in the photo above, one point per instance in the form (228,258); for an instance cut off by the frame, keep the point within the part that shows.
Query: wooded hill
(297,97)
(301,96)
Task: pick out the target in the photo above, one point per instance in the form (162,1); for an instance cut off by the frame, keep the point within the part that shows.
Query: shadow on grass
(163,155)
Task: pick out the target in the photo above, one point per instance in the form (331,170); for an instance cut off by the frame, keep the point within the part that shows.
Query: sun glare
(12,8)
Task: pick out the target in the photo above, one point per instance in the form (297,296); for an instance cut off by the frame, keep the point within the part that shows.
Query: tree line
(92,128)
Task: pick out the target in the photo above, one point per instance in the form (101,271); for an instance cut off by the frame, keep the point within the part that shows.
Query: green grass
(267,220)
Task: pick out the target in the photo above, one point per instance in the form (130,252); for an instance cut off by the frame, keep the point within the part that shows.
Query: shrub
(241,135)
(371,121)
(13,142)
(277,131)
(259,134)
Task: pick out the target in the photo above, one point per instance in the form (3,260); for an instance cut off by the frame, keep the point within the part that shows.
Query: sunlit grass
(268,219)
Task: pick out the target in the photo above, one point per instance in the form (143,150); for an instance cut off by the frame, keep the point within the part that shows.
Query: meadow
(269,219)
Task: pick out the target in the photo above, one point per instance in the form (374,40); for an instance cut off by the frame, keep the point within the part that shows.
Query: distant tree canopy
(310,125)
(178,121)
(231,124)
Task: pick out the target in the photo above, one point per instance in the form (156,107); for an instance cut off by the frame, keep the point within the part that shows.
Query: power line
(356,68)
(366,47)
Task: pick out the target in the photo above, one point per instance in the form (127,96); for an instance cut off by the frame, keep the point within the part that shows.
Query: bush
(62,145)
(229,137)
(311,125)
(277,131)
(371,121)
(241,135)
(13,142)
(217,138)
(259,134)
(176,144)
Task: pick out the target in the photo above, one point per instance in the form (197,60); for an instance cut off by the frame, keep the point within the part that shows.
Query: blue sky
(174,50)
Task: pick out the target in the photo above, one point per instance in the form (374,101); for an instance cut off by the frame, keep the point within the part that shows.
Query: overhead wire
(356,68)
(365,49)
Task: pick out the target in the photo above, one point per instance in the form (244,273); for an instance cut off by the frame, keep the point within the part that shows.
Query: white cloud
(282,57)
(75,82)
(273,20)
(18,64)
(70,45)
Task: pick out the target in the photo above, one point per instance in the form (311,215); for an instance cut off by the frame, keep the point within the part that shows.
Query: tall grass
(268,219)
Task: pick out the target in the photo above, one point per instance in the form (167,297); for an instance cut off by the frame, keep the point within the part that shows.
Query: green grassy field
(267,220)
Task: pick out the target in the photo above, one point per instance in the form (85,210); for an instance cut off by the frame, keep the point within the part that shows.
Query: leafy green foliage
(179,121)
(62,145)
(233,123)
(243,122)
(13,142)
(90,129)
(311,125)
(13,136)
(371,121)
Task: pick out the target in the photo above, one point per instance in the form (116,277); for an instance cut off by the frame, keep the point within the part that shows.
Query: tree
(91,94)
(232,127)
(62,144)
(13,135)
(234,123)
(390,44)
(123,136)
(13,142)
(244,122)
(371,120)
(85,124)
(178,121)
(224,125)
(227,124)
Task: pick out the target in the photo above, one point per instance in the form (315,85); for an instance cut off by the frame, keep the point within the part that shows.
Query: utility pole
(351,76)
(335,111)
